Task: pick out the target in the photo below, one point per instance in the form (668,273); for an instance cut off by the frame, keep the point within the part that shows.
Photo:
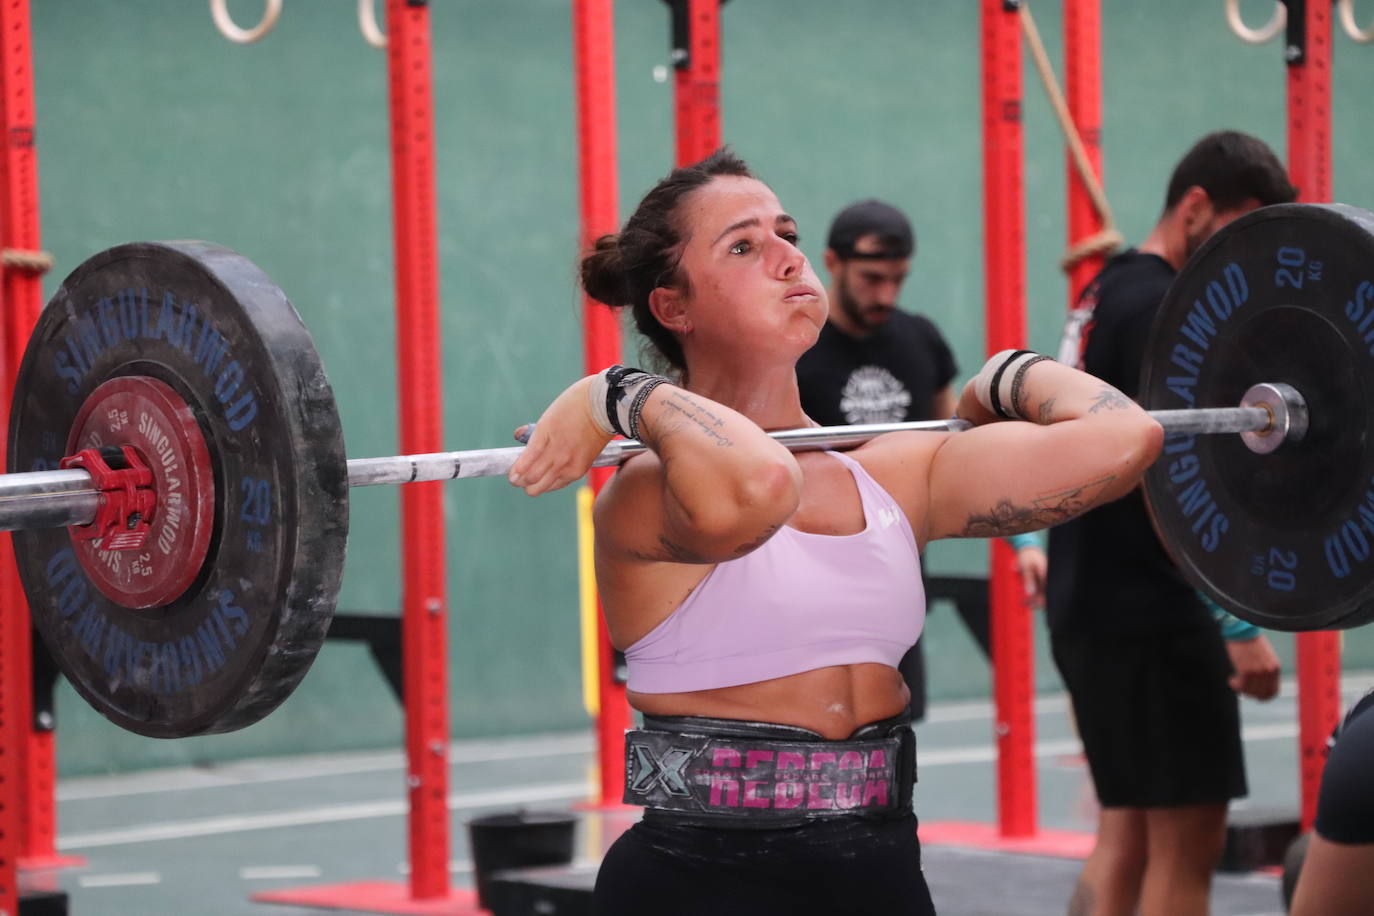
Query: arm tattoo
(1110,399)
(670,552)
(1006,518)
(693,412)
(755,544)
(1044,415)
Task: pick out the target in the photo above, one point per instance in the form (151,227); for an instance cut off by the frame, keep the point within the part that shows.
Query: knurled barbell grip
(53,499)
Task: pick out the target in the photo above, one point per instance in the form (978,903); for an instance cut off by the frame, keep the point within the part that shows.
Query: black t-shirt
(1108,572)
(890,376)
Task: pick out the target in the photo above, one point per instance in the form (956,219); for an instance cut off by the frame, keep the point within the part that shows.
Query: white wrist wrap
(998,384)
(596,400)
(617,397)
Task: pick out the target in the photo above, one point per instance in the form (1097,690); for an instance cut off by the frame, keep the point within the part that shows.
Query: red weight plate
(149,415)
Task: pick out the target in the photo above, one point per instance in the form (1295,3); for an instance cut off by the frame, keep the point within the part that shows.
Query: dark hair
(871,217)
(1232,168)
(622,270)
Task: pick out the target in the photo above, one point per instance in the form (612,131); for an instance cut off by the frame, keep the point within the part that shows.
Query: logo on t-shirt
(1073,343)
(874,395)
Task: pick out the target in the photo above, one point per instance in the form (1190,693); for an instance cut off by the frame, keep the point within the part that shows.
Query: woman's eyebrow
(751,222)
(742,224)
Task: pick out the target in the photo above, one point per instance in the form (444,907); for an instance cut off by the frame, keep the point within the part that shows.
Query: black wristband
(637,407)
(994,395)
(615,379)
(1019,380)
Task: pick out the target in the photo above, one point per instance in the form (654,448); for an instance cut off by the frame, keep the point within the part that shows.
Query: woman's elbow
(756,505)
(1142,439)
(769,495)
(1151,441)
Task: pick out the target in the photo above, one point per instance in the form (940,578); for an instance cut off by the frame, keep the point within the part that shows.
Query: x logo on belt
(666,771)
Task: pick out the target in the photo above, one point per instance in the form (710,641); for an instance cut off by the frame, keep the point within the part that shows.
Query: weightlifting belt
(719,771)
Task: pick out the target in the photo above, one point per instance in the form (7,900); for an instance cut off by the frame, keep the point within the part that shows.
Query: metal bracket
(45,675)
(1295,35)
(382,633)
(681,40)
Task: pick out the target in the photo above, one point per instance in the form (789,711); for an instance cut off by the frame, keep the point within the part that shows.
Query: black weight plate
(209,324)
(1283,294)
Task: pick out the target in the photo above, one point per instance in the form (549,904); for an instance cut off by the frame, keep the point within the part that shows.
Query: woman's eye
(740,247)
(790,238)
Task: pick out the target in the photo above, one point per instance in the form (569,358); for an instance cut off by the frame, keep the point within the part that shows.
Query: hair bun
(603,272)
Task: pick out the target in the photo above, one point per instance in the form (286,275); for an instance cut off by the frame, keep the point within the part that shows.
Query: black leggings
(845,865)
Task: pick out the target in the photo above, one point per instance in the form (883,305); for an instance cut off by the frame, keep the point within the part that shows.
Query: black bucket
(518,839)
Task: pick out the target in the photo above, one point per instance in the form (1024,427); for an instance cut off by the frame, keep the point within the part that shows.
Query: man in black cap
(875,363)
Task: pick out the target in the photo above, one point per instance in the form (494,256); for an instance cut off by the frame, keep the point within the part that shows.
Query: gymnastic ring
(367,22)
(219,11)
(1255,36)
(1346,8)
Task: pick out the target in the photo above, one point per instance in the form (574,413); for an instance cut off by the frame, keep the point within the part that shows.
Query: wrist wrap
(998,384)
(617,398)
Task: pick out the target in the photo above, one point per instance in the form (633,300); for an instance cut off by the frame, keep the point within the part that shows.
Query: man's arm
(1255,662)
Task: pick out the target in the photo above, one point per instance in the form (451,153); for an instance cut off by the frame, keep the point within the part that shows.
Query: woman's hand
(563,444)
(971,409)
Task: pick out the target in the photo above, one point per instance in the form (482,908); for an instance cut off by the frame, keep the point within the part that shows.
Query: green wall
(152,126)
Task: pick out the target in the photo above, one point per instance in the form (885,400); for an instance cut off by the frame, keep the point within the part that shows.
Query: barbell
(180,501)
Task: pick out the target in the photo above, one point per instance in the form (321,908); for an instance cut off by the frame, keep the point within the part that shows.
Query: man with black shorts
(875,363)
(1151,666)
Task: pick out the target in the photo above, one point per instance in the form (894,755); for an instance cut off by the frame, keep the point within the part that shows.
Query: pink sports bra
(800,602)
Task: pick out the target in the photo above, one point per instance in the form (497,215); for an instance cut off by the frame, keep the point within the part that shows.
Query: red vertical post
(1083,92)
(424,616)
(1309,167)
(594,61)
(1005,269)
(28,769)
(697,85)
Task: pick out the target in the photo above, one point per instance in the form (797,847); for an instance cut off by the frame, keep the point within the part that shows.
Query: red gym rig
(1004,246)
(28,774)
(594,60)
(424,618)
(1307,49)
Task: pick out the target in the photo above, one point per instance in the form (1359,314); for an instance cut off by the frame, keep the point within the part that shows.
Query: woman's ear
(670,308)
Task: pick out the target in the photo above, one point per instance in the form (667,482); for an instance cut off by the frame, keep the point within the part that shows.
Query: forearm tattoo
(1008,518)
(1110,399)
(687,411)
(1044,414)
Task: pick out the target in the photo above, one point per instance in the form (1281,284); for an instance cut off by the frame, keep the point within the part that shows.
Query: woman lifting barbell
(762,598)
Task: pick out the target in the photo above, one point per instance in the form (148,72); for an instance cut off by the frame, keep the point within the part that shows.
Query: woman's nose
(790,261)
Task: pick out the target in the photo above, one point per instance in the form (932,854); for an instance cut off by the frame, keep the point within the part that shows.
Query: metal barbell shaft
(399,469)
(54,499)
